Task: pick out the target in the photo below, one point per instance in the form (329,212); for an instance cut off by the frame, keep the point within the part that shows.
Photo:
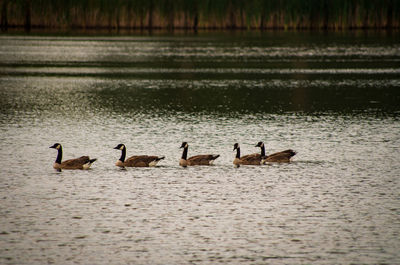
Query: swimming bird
(199,160)
(281,157)
(252,159)
(136,161)
(83,162)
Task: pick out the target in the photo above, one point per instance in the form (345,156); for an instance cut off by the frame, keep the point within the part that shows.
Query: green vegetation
(197,14)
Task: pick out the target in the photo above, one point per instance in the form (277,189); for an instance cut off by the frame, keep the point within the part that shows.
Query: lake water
(332,97)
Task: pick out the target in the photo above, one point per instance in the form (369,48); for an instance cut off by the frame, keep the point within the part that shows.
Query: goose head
(120,147)
(260,144)
(235,146)
(184,145)
(56,146)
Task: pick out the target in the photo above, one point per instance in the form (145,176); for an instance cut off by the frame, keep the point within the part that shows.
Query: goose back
(83,162)
(142,161)
(280,157)
(204,160)
(251,159)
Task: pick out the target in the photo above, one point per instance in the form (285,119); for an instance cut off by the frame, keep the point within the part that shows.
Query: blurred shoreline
(200,14)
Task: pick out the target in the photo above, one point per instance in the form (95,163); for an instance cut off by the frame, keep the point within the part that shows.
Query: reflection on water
(333,98)
(64,95)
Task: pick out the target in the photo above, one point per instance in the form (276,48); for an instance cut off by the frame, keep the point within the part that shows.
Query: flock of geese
(84,162)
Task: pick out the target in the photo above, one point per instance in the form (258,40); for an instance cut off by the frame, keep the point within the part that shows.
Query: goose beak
(116,147)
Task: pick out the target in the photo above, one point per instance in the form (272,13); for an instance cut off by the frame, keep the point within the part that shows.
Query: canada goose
(198,160)
(83,162)
(283,156)
(252,159)
(136,161)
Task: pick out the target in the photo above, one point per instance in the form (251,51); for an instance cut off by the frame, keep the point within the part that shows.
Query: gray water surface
(332,97)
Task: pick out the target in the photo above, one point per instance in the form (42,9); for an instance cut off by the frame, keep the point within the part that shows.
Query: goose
(283,156)
(199,160)
(252,159)
(83,162)
(136,161)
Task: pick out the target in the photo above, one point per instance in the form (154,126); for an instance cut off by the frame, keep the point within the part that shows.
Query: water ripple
(337,202)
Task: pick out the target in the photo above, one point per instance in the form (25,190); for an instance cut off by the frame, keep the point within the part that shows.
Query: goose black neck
(184,154)
(123,154)
(238,152)
(59,155)
(262,151)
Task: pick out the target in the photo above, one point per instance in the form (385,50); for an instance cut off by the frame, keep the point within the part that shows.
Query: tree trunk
(262,18)
(4,20)
(150,22)
(389,15)
(195,19)
(28,8)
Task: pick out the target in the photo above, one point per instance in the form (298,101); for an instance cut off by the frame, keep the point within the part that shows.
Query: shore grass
(201,14)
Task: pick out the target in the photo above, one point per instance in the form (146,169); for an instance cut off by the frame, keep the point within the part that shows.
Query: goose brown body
(136,161)
(198,160)
(279,157)
(83,162)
